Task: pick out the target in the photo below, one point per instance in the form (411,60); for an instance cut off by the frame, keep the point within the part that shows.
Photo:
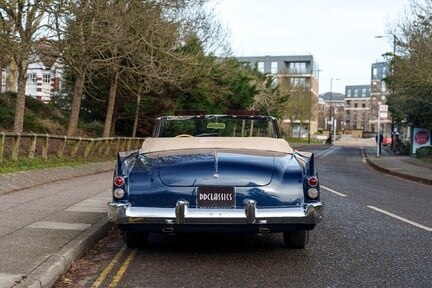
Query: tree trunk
(20,104)
(20,101)
(137,110)
(111,102)
(11,80)
(76,105)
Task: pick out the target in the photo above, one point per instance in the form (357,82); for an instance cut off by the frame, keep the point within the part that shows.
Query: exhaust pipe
(264,230)
(168,230)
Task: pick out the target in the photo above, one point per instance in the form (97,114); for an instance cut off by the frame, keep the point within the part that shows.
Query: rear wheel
(135,239)
(296,239)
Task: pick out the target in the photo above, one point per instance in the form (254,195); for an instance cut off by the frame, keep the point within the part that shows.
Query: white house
(43,82)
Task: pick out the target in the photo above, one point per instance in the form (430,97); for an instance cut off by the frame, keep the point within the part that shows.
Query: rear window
(217,127)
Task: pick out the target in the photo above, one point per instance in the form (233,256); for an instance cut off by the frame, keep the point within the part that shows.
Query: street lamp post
(310,116)
(331,100)
(393,91)
(378,137)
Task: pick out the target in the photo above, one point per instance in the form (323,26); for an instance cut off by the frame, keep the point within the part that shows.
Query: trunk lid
(216,169)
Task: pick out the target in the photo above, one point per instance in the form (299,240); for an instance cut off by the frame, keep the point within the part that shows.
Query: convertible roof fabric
(165,144)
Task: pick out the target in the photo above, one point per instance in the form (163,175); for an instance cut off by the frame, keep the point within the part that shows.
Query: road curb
(46,274)
(395,173)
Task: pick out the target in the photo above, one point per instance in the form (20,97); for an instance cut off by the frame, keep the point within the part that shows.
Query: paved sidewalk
(407,167)
(45,225)
(42,232)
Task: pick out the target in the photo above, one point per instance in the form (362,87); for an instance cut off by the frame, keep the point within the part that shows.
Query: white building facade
(42,82)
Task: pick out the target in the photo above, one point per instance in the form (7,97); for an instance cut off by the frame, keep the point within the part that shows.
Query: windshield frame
(271,121)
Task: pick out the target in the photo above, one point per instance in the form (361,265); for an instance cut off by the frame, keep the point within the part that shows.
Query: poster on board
(421,137)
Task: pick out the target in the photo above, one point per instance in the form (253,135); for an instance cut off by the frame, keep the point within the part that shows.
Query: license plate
(215,197)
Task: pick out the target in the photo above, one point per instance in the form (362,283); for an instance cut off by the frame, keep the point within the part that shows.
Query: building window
(274,67)
(299,82)
(355,92)
(32,77)
(297,67)
(374,73)
(374,87)
(46,78)
(260,67)
(349,92)
(363,92)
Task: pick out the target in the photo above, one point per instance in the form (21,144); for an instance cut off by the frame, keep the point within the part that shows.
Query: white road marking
(333,191)
(401,218)
(326,152)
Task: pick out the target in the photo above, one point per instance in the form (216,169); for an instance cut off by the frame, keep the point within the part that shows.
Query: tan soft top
(264,144)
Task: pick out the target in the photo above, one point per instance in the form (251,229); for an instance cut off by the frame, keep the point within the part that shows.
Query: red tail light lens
(313,181)
(119,181)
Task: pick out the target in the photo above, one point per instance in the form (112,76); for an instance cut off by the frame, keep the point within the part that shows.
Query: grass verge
(27,164)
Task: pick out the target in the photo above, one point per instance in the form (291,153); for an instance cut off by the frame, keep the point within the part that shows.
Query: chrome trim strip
(124,213)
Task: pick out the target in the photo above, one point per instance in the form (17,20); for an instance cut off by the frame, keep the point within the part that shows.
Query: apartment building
(333,110)
(357,107)
(378,95)
(301,72)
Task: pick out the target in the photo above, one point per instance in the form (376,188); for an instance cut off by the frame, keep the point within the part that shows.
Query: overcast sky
(340,34)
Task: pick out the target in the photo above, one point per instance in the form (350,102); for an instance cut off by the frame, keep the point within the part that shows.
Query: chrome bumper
(124,213)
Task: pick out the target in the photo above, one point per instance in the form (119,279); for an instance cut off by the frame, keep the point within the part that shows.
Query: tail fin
(312,165)
(122,156)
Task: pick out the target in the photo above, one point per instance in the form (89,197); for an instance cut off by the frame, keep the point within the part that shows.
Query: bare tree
(5,34)
(74,28)
(125,41)
(145,44)
(24,18)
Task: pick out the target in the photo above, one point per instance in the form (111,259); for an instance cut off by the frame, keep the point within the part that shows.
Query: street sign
(383,108)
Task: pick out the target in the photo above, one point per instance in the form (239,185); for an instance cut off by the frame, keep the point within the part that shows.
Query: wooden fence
(31,145)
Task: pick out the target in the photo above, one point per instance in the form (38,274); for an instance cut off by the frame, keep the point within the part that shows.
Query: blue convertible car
(215,173)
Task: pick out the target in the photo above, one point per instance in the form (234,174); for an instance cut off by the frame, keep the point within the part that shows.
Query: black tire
(135,239)
(296,239)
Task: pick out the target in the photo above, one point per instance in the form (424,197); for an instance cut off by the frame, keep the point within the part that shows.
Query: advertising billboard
(421,137)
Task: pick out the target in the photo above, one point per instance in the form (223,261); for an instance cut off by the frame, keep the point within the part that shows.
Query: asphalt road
(376,233)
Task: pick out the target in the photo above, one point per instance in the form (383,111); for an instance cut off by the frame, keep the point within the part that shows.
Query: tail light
(312,181)
(312,191)
(119,181)
(119,193)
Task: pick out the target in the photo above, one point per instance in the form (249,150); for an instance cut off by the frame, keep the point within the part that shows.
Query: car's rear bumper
(196,219)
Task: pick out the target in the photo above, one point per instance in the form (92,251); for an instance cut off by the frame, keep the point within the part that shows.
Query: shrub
(94,129)
(6,118)
(31,124)
(37,107)
(424,152)
(405,148)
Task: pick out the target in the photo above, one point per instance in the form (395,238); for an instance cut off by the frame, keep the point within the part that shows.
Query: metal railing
(31,145)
